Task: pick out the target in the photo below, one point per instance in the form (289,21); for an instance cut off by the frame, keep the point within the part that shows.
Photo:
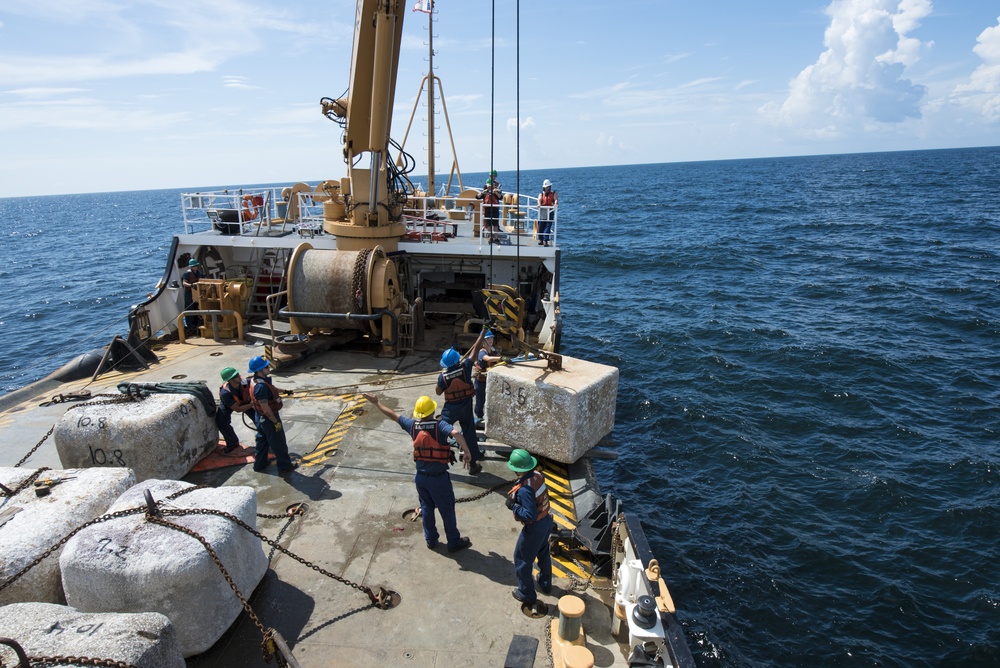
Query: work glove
(511,503)
(504,359)
(278,426)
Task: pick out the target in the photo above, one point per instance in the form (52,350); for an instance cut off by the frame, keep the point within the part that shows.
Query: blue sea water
(807,409)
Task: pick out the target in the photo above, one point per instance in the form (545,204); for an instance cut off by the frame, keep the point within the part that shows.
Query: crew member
(529,501)
(188,279)
(458,387)
(267,403)
(234,397)
(488,356)
(432,456)
(491,195)
(548,200)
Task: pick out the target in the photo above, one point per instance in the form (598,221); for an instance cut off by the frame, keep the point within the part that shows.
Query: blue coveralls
(434,490)
(192,275)
(224,414)
(532,543)
(481,384)
(268,439)
(461,411)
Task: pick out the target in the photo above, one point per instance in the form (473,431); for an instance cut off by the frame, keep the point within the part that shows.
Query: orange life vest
(274,403)
(482,366)
(547,199)
(426,446)
(536,483)
(457,387)
(241,395)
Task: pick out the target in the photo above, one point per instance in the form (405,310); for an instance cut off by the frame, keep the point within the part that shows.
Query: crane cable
(493,110)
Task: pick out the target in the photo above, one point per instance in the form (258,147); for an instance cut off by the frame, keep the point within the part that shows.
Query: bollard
(579,657)
(570,614)
(568,638)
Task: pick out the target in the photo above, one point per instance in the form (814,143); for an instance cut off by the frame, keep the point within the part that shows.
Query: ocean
(807,408)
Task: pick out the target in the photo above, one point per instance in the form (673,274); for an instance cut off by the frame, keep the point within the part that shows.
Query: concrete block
(32,524)
(45,629)
(131,565)
(161,437)
(557,414)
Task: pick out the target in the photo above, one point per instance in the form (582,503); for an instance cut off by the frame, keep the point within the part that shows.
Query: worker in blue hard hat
(432,456)
(234,397)
(529,501)
(456,384)
(270,431)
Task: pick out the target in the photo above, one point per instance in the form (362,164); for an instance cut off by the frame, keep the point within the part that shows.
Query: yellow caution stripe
(328,445)
(567,562)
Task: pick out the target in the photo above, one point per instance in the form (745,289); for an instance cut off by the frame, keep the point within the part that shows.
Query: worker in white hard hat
(548,200)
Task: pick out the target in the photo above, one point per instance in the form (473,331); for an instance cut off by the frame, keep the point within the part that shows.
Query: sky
(104,95)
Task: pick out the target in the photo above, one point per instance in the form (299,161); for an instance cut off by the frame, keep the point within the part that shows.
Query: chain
(357,279)
(27,481)
(292,512)
(499,485)
(103,518)
(77,661)
(548,645)
(37,445)
(251,530)
(266,635)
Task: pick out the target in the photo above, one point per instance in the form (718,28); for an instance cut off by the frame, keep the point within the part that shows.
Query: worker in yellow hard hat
(432,455)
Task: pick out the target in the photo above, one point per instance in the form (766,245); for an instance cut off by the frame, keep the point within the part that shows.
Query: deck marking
(569,562)
(330,443)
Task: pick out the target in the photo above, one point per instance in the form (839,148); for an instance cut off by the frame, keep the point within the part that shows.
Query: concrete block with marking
(44,629)
(133,565)
(31,523)
(557,414)
(161,437)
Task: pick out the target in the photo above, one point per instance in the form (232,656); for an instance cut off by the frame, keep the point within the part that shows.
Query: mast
(430,103)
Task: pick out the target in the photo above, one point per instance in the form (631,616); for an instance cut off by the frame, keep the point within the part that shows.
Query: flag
(425,6)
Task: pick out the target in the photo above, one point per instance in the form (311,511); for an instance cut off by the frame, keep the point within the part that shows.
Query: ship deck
(356,477)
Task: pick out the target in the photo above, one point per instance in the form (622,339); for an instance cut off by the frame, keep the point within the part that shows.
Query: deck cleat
(535,610)
(299,508)
(386,599)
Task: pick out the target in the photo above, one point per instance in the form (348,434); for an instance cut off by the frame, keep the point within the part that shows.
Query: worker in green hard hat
(492,195)
(529,501)
(234,397)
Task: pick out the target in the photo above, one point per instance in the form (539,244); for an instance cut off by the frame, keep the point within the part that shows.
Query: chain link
(305,562)
(499,485)
(103,518)
(58,660)
(26,482)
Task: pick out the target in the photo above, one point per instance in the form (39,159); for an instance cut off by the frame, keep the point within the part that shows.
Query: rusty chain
(499,485)
(24,483)
(305,562)
(97,520)
(267,641)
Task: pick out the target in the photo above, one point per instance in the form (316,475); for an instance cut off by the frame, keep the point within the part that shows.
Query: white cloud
(526,124)
(238,82)
(982,92)
(860,76)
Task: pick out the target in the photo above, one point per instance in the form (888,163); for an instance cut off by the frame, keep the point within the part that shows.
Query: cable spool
(359,282)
